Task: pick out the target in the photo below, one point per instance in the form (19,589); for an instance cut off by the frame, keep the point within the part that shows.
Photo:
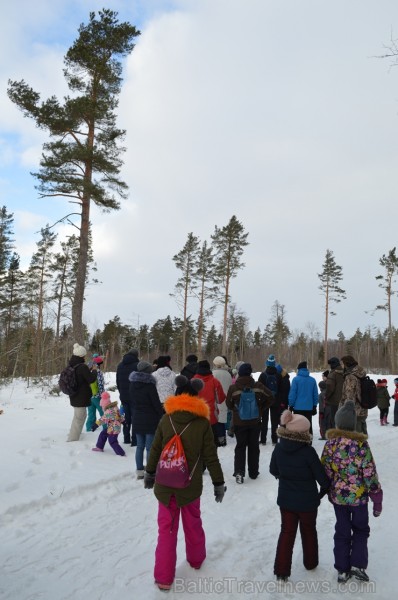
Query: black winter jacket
(146,408)
(128,365)
(84,377)
(298,468)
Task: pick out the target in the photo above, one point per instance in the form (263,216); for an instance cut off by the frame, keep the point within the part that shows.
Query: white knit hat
(79,350)
(219,362)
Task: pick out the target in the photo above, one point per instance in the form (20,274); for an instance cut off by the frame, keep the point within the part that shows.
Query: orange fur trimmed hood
(187,403)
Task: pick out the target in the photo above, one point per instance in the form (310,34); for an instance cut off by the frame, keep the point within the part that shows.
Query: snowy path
(77,525)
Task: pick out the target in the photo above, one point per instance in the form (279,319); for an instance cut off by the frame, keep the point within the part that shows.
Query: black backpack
(368,392)
(67,381)
(271,382)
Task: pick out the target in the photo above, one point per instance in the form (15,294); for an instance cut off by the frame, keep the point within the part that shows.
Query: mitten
(377,499)
(314,411)
(94,426)
(121,411)
(149,480)
(219,491)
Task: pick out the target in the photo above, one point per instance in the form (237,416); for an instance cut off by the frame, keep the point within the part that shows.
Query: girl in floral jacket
(112,419)
(349,464)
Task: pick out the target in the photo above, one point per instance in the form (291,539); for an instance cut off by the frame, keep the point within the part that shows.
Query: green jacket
(198,442)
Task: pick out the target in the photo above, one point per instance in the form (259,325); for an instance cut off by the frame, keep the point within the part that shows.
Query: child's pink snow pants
(166,549)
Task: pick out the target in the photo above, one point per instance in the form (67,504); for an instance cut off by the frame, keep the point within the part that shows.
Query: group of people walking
(158,404)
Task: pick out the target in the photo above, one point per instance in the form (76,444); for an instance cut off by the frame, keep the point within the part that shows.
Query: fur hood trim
(352,435)
(111,405)
(296,436)
(187,403)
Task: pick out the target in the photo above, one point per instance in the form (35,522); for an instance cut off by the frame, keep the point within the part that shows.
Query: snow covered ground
(76,525)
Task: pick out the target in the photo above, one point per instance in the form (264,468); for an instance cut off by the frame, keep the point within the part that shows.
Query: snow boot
(139,474)
(239,478)
(385,422)
(97,449)
(343,576)
(359,574)
(382,422)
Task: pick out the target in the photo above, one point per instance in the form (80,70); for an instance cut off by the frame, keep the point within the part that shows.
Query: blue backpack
(248,407)
(271,382)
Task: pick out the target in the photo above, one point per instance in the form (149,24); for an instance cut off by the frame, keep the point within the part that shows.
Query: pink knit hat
(295,422)
(105,399)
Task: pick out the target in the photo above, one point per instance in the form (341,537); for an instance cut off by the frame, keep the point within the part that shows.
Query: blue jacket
(303,393)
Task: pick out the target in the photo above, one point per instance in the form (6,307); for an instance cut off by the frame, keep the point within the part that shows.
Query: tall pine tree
(330,279)
(82,161)
(386,281)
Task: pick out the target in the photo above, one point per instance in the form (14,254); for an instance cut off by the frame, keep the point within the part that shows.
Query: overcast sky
(276,111)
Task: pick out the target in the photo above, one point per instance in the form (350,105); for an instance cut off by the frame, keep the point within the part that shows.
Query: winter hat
(302,365)
(144,367)
(279,368)
(271,362)
(219,362)
(163,361)
(384,381)
(349,361)
(245,369)
(191,358)
(203,367)
(239,364)
(79,350)
(346,417)
(322,385)
(186,386)
(98,360)
(105,399)
(133,351)
(396,381)
(334,362)
(294,422)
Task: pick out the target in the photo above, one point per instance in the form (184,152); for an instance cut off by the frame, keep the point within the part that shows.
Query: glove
(121,411)
(219,491)
(377,499)
(149,480)
(314,411)
(94,426)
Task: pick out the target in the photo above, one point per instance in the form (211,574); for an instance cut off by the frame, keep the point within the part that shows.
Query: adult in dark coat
(280,392)
(334,391)
(295,463)
(125,367)
(189,369)
(146,411)
(82,399)
(247,432)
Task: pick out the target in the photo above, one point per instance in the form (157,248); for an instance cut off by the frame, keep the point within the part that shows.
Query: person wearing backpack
(272,380)
(81,399)
(185,411)
(352,390)
(247,426)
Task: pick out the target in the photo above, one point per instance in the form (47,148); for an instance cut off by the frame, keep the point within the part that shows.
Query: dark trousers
(128,435)
(275,413)
(351,537)
(309,540)
(247,438)
(328,416)
(383,412)
(112,439)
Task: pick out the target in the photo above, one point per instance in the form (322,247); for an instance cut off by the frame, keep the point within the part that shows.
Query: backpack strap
(179,435)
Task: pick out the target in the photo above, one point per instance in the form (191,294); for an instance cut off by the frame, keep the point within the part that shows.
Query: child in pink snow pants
(183,409)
